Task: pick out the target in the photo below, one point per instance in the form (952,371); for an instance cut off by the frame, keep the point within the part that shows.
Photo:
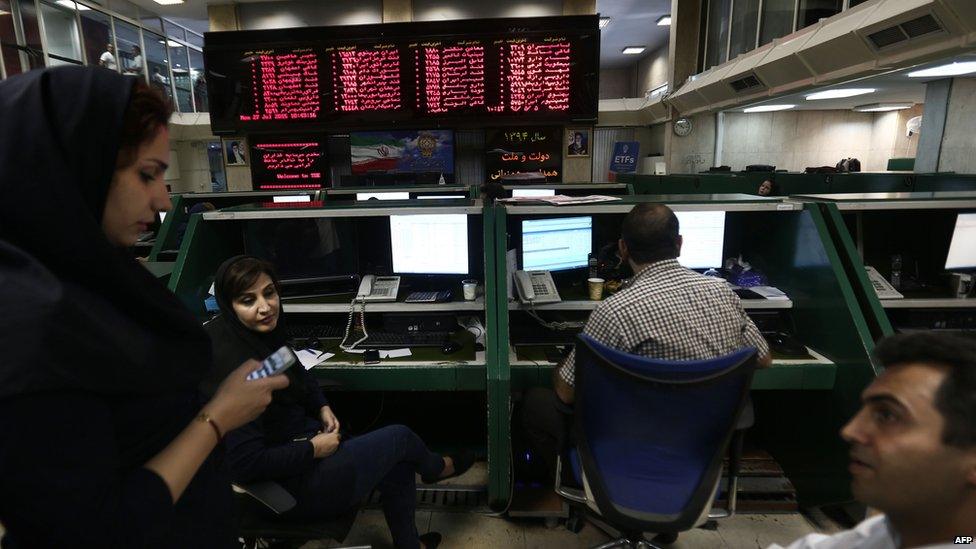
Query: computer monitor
(383,196)
(291,198)
(703,239)
(962,251)
(441,196)
(429,243)
(516,193)
(556,243)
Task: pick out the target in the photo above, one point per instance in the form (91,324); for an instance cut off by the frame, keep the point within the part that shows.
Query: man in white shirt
(107,59)
(913,448)
(135,66)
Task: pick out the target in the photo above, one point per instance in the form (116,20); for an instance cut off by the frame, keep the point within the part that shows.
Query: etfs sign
(624,159)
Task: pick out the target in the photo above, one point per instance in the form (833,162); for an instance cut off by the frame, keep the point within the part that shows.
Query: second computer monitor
(703,239)
(557,243)
(962,250)
(429,243)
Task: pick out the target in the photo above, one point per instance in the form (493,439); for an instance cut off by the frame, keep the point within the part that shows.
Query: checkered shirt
(671,313)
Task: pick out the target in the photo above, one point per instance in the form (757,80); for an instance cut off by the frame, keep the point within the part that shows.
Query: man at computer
(913,448)
(666,311)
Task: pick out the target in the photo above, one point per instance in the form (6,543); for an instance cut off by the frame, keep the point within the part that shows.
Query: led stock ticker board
(499,72)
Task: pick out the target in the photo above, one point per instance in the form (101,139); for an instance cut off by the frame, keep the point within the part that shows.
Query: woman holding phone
(297,441)
(105,440)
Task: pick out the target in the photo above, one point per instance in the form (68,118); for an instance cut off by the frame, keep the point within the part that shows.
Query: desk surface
(896,201)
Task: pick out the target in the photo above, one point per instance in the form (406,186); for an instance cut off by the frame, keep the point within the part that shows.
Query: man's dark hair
(651,233)
(146,114)
(956,397)
(243,273)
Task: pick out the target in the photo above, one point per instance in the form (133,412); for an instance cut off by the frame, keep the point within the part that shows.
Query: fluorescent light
(952,69)
(168,2)
(664,21)
(768,108)
(838,94)
(68,4)
(883,107)
(633,50)
(170,43)
(604,21)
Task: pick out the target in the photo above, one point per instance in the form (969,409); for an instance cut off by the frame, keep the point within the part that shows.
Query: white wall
(795,140)
(652,71)
(959,138)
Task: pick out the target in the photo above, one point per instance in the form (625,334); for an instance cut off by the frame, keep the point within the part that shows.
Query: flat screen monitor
(291,198)
(441,196)
(517,193)
(429,243)
(703,239)
(383,196)
(962,248)
(556,243)
(282,163)
(403,154)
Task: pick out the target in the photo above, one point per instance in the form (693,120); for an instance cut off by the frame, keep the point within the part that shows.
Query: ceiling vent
(915,28)
(747,83)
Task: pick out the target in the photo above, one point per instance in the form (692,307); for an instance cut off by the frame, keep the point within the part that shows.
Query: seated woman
(296,442)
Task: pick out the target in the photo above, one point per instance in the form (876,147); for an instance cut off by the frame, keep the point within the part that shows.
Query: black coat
(100,362)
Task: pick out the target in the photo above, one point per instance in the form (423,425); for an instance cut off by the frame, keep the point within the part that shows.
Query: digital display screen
(288,163)
(702,239)
(429,243)
(556,243)
(402,151)
(524,149)
(500,70)
(962,248)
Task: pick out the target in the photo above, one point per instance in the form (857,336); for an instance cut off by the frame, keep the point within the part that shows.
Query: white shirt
(107,60)
(136,65)
(873,533)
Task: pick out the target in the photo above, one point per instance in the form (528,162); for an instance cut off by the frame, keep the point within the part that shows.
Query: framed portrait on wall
(577,142)
(235,151)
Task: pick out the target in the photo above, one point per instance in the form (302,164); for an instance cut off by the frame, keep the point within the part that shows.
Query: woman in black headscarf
(104,438)
(296,442)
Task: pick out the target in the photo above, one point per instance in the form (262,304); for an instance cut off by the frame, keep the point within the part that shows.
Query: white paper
(769,292)
(310,358)
(395,353)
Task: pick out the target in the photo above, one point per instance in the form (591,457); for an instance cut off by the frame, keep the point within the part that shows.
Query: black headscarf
(234,343)
(79,313)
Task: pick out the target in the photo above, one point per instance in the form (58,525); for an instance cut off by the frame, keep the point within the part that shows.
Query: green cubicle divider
(166,237)
(797,183)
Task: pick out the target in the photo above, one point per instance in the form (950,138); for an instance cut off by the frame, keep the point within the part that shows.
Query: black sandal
(462,460)
(430,540)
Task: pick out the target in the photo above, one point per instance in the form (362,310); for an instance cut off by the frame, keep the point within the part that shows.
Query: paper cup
(469,286)
(596,288)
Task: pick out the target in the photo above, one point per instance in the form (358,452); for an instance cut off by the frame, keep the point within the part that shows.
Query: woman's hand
(329,420)
(238,401)
(325,444)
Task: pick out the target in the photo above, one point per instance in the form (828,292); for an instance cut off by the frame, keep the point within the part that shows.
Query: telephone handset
(536,287)
(378,288)
(881,286)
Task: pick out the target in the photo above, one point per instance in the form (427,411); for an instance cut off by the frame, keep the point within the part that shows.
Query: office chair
(257,528)
(650,437)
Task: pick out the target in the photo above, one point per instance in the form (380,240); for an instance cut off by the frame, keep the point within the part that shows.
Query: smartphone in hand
(277,362)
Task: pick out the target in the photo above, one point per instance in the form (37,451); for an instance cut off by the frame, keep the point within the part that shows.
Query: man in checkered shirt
(666,312)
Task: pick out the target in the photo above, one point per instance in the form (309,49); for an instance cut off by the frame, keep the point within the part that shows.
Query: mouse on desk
(451,347)
(785,344)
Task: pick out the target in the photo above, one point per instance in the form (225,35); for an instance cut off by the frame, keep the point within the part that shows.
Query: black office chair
(650,438)
(258,528)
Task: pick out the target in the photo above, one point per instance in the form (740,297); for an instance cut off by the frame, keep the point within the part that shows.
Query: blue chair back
(651,434)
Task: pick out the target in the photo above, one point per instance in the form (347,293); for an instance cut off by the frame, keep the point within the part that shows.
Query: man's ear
(678,243)
(622,250)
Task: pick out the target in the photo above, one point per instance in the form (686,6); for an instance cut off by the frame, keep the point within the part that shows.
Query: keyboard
(376,339)
(428,297)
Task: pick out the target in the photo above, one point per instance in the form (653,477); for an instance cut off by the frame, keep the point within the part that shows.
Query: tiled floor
(474,531)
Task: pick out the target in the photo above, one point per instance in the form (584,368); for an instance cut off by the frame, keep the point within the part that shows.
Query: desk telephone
(378,288)
(880,285)
(536,287)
